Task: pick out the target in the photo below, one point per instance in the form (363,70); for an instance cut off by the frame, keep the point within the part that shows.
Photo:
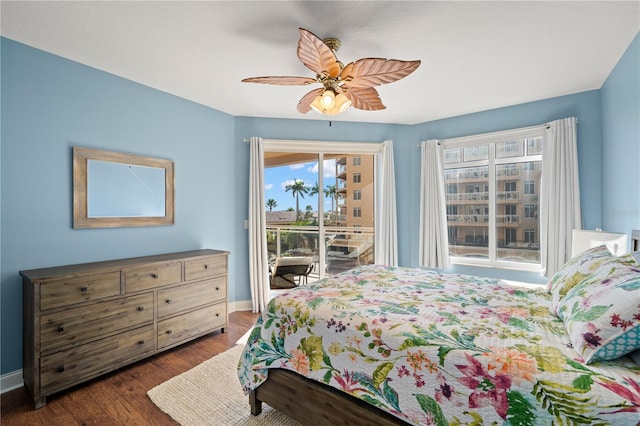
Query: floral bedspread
(440,349)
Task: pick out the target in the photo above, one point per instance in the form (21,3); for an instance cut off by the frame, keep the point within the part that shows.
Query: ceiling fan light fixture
(316,105)
(340,103)
(328,99)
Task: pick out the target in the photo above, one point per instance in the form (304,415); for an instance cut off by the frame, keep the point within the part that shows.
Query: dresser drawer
(69,291)
(178,329)
(74,325)
(177,299)
(206,266)
(152,275)
(67,367)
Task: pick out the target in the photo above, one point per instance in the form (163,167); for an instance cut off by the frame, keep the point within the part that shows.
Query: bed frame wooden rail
(314,403)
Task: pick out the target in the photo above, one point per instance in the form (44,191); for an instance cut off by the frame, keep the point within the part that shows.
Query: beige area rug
(211,394)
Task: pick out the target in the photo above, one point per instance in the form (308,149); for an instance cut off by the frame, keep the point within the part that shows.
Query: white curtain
(559,194)
(434,245)
(258,260)
(386,244)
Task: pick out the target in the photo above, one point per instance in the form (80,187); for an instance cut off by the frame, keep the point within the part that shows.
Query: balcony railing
(468,196)
(509,218)
(508,172)
(468,218)
(466,174)
(345,247)
(508,196)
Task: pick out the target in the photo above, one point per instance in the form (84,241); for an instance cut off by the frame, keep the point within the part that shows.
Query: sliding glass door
(320,205)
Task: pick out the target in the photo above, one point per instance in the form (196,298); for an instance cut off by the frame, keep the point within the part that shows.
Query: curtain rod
(539,126)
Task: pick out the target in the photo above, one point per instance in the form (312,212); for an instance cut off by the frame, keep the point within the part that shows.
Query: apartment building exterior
(355,207)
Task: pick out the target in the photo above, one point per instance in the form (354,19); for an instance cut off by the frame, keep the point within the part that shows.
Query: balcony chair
(289,272)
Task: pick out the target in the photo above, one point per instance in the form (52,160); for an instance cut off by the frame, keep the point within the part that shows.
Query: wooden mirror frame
(80,217)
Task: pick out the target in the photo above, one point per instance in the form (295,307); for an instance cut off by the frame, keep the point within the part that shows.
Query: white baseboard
(242,305)
(13,380)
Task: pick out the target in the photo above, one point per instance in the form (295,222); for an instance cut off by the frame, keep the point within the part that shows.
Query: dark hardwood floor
(120,398)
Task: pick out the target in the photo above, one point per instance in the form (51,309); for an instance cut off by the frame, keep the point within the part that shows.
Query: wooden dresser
(81,321)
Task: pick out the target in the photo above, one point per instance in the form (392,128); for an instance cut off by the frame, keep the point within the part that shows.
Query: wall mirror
(112,189)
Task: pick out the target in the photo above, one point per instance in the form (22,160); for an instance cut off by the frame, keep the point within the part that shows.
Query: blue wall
(50,104)
(621,138)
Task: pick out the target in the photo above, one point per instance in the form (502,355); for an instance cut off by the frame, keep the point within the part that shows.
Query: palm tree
(308,211)
(331,191)
(298,189)
(271,203)
(314,190)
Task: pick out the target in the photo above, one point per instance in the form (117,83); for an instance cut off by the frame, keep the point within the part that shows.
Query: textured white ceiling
(475,55)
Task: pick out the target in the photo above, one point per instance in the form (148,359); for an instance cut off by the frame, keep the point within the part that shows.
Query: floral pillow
(602,313)
(575,271)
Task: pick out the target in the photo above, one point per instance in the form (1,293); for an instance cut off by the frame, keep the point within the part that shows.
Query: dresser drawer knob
(141,342)
(217,314)
(61,329)
(61,369)
(169,331)
(168,301)
(84,289)
(206,266)
(140,308)
(217,288)
(155,276)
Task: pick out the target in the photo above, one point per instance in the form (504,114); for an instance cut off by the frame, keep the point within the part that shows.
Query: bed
(390,345)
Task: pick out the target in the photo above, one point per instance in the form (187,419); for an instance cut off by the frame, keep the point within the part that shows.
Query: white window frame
(491,162)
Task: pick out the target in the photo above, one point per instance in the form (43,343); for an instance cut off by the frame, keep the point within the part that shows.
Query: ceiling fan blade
(304,106)
(281,81)
(365,98)
(370,72)
(316,55)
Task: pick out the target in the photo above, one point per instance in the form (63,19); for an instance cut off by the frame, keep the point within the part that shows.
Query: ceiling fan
(342,86)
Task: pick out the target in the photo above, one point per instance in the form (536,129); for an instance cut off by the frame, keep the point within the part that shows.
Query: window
(488,199)
(530,211)
(357,178)
(357,194)
(509,149)
(357,160)
(530,236)
(357,212)
(529,187)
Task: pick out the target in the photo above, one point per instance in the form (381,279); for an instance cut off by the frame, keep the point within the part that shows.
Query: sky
(277,178)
